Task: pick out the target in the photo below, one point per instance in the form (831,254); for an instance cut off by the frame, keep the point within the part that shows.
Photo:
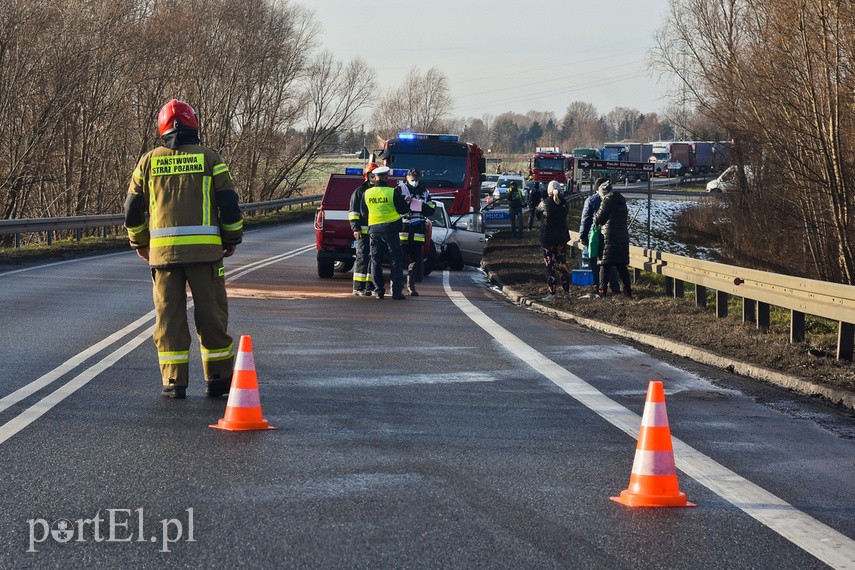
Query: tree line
(81,84)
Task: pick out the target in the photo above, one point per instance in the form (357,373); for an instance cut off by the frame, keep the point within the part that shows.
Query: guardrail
(105,221)
(759,291)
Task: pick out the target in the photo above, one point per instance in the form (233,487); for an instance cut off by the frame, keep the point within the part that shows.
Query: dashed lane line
(44,405)
(820,540)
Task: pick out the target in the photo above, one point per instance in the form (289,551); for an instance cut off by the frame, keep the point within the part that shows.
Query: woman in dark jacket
(554,234)
(613,216)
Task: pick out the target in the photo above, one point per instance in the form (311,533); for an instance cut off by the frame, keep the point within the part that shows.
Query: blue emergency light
(424,136)
(399,171)
(353,171)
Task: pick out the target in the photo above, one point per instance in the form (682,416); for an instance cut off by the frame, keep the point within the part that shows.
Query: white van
(726,182)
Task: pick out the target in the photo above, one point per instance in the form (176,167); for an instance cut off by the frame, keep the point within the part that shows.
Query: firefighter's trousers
(362,263)
(210,310)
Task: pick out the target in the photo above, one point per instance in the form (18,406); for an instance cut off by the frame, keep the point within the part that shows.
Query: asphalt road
(452,430)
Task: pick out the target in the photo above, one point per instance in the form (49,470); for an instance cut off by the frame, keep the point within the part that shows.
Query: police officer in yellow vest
(384,206)
(183,217)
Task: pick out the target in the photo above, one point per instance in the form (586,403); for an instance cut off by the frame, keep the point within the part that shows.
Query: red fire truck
(452,171)
(548,164)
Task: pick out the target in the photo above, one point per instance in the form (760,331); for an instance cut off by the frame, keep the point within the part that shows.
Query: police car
(495,209)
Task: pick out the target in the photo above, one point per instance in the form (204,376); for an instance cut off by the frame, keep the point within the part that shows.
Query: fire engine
(548,163)
(451,170)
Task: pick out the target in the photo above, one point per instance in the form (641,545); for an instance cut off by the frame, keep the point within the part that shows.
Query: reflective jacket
(415,224)
(358,222)
(182,205)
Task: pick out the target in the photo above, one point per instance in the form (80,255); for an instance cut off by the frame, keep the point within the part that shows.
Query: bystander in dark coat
(554,235)
(613,216)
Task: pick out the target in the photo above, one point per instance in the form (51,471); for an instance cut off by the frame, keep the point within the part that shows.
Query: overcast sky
(506,55)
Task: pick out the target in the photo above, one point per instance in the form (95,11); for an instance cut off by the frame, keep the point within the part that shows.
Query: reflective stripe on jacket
(191,204)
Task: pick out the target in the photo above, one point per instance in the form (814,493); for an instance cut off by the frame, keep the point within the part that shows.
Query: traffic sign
(587,164)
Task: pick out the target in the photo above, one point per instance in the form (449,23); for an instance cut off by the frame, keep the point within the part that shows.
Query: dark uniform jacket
(182,205)
(358,219)
(613,217)
(415,222)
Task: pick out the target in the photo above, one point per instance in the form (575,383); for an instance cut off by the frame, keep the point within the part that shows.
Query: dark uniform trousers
(210,310)
(412,242)
(385,239)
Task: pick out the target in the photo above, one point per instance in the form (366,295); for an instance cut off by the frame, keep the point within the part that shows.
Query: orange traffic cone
(653,481)
(243,410)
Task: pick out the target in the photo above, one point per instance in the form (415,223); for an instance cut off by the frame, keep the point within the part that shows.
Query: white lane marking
(820,540)
(44,405)
(41,407)
(249,268)
(398,380)
(70,364)
(54,264)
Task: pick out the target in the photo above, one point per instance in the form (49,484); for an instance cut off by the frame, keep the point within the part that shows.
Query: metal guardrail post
(721,300)
(797,326)
(845,341)
(700,296)
(749,311)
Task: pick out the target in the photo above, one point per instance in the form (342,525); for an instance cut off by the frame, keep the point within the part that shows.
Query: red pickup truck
(333,236)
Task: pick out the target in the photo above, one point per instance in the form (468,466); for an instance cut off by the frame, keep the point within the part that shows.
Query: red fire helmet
(176,113)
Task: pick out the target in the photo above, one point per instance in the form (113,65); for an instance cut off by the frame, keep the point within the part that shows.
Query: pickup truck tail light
(319,220)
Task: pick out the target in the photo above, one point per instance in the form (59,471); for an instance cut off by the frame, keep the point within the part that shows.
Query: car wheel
(343,266)
(455,258)
(430,260)
(326,269)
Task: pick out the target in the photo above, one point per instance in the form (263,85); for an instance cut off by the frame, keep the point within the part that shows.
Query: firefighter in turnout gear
(383,206)
(359,224)
(183,217)
(415,227)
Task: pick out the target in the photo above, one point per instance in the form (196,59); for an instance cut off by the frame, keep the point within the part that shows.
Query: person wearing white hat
(612,216)
(554,236)
(384,206)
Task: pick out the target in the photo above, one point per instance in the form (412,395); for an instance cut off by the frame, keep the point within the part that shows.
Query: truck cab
(451,170)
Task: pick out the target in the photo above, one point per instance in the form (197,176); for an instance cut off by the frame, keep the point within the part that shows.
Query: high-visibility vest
(381,205)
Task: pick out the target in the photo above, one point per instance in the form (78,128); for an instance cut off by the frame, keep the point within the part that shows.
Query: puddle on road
(289,294)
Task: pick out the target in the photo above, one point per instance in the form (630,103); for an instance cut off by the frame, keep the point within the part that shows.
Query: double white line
(44,405)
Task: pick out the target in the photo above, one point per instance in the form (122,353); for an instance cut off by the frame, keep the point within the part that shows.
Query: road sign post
(590,164)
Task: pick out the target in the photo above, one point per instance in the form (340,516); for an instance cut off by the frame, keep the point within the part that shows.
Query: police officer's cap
(381,171)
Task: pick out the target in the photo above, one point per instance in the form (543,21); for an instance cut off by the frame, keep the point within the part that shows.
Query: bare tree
(422,104)
(789,111)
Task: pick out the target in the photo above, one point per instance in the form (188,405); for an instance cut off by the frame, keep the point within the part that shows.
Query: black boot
(217,387)
(175,392)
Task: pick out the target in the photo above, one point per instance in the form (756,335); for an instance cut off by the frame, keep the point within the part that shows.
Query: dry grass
(519,263)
